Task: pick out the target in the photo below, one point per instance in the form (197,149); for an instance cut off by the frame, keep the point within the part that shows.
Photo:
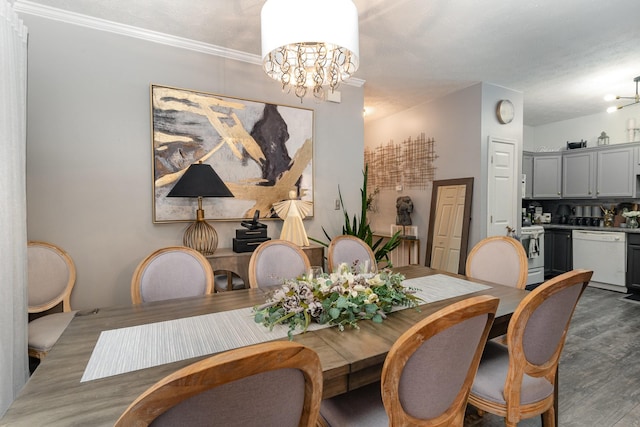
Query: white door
(502,187)
(447,229)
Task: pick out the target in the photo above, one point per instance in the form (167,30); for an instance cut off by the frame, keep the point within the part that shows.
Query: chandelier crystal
(309,44)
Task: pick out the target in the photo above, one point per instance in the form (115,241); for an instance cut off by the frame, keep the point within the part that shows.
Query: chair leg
(549,418)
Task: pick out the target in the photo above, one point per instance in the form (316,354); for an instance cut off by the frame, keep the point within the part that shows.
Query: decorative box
(248,245)
(243,233)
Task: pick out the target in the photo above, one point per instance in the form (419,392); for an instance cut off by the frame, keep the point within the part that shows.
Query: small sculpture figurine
(404,207)
(253,224)
(293,212)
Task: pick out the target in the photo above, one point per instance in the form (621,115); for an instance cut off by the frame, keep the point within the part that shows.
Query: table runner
(138,347)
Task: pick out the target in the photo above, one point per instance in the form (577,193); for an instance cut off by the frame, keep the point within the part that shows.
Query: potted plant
(361,229)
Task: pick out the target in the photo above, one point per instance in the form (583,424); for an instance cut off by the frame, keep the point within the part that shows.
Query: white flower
(631,214)
(375,280)
(372,298)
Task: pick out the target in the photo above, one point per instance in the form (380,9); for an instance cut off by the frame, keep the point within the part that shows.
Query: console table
(225,260)
(407,253)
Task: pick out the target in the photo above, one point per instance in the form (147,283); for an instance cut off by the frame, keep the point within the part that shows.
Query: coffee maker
(563,214)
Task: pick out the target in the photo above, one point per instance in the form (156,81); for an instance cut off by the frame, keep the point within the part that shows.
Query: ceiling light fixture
(308,44)
(636,99)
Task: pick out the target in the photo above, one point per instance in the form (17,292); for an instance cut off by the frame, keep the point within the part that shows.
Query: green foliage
(361,229)
(342,298)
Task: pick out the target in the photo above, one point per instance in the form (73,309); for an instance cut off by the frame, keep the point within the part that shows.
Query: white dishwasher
(603,252)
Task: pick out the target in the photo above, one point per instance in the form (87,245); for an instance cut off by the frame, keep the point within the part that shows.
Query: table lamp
(200,180)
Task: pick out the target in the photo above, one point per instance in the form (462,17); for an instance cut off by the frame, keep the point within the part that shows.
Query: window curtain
(14,369)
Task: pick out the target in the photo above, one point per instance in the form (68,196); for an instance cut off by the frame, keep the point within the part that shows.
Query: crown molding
(32,8)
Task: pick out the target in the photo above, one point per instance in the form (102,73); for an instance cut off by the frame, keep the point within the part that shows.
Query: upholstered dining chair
(276,260)
(171,272)
(222,390)
(498,259)
(353,251)
(51,277)
(427,374)
(518,381)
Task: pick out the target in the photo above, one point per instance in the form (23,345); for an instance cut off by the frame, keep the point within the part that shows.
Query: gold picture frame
(260,150)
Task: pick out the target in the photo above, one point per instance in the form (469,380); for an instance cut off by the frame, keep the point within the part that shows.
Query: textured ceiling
(564,56)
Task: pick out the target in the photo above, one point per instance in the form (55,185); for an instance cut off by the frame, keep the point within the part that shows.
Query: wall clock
(505,111)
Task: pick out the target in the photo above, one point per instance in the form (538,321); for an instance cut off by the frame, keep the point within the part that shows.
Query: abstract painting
(260,150)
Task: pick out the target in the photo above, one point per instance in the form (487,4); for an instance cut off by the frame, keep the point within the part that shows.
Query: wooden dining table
(56,396)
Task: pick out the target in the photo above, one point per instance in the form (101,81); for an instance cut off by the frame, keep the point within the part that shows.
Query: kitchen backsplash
(564,210)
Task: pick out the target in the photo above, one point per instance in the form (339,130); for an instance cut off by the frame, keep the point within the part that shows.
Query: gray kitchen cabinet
(579,174)
(615,172)
(547,175)
(558,252)
(527,171)
(633,263)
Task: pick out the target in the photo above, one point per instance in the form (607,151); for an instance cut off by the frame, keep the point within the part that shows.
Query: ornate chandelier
(309,44)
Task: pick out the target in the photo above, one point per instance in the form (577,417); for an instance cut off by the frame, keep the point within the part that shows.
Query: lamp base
(202,237)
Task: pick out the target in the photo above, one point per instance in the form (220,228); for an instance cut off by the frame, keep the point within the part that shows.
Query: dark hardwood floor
(599,367)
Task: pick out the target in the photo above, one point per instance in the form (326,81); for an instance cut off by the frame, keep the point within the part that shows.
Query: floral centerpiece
(341,298)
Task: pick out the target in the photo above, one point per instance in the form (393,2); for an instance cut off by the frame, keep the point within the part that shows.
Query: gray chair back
(275,383)
(352,251)
(51,277)
(275,261)
(498,259)
(434,374)
(173,272)
(545,330)
(228,404)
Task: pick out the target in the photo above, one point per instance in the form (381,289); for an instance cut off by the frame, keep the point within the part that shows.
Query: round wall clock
(505,111)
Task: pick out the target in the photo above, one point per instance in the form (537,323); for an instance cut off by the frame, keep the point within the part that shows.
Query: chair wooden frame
(513,411)
(136,294)
(517,246)
(336,240)
(413,338)
(253,261)
(64,297)
(227,367)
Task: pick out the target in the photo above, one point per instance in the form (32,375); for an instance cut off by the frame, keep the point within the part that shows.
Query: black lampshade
(200,180)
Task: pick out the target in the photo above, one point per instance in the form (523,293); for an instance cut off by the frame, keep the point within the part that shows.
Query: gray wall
(461,124)
(89,148)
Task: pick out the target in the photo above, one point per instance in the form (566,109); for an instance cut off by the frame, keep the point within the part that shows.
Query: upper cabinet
(615,172)
(579,174)
(547,176)
(586,173)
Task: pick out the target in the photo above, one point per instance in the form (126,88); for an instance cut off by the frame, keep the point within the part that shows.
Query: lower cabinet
(558,252)
(633,263)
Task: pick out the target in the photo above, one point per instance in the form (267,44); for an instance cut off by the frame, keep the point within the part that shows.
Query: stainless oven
(532,238)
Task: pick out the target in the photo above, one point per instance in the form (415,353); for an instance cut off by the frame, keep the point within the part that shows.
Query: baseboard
(609,287)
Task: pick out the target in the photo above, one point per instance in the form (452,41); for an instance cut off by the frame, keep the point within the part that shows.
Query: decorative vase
(608,219)
(632,222)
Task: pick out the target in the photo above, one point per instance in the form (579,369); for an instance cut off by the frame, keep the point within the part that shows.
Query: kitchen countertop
(582,227)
